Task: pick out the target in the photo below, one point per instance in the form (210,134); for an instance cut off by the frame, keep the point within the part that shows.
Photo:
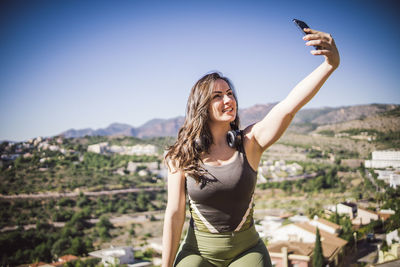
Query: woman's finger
(308,30)
(315,36)
(320,43)
(321,52)
(312,31)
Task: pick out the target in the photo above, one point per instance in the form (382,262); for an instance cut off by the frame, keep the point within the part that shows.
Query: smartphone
(301,25)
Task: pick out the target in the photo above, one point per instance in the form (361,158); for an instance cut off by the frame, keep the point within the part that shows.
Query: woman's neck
(219,150)
(218,132)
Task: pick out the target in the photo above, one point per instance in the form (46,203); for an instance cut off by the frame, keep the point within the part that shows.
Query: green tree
(83,200)
(78,221)
(103,227)
(318,257)
(132,230)
(104,222)
(78,247)
(142,201)
(347,229)
(60,246)
(337,217)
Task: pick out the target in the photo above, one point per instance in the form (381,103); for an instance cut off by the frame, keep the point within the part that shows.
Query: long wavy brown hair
(194,137)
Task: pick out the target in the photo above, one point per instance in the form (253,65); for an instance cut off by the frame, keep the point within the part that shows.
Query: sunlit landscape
(80,197)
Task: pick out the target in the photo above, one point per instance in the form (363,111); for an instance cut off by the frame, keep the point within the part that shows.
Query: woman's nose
(227,99)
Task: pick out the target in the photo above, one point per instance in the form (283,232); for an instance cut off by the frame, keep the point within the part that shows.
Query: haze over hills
(305,121)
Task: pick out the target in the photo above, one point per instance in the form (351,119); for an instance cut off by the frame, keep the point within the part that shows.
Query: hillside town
(103,148)
(350,231)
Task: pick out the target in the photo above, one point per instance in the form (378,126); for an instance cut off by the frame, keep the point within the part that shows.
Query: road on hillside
(117,221)
(75,194)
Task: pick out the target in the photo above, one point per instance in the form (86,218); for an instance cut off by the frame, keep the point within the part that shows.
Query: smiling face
(222,107)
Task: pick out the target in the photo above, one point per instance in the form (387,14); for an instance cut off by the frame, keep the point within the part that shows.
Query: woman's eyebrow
(220,92)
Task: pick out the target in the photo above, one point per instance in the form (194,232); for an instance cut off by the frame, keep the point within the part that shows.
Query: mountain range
(305,120)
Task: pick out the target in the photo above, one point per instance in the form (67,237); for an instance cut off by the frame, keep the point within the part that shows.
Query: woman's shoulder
(172,166)
(176,176)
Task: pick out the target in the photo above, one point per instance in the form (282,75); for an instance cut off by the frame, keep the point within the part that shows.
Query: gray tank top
(223,202)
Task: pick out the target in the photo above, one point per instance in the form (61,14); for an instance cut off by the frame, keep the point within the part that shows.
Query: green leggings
(202,249)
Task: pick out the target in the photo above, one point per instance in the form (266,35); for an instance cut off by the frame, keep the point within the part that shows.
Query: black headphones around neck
(234,138)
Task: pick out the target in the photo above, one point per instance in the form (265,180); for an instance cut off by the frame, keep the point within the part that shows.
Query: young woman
(219,178)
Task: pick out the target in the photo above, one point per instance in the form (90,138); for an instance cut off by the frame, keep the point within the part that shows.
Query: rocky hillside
(342,114)
(383,122)
(372,116)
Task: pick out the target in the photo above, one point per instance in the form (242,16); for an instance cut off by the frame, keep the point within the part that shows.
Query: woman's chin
(225,118)
(230,119)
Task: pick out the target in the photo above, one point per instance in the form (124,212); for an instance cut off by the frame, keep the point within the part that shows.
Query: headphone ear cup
(199,145)
(231,139)
(234,138)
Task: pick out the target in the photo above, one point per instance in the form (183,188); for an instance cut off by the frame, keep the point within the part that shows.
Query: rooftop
(328,223)
(297,248)
(330,243)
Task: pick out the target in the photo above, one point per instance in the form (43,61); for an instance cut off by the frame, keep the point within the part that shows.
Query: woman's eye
(216,96)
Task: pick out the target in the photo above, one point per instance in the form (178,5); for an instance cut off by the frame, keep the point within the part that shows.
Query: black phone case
(301,25)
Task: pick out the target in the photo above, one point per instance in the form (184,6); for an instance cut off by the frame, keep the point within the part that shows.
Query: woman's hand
(327,46)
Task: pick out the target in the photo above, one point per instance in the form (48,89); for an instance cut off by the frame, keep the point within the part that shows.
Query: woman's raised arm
(266,132)
(174,216)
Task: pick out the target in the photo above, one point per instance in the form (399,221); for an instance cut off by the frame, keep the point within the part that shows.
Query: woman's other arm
(266,132)
(174,216)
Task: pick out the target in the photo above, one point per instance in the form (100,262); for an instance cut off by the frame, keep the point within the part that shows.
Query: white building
(299,218)
(386,155)
(151,166)
(144,150)
(260,177)
(47,146)
(365,217)
(132,166)
(292,232)
(117,149)
(143,173)
(267,162)
(347,208)
(325,225)
(114,256)
(102,148)
(384,159)
(98,148)
(390,177)
(394,180)
(268,225)
(392,236)
(37,141)
(384,174)
(270,169)
(294,168)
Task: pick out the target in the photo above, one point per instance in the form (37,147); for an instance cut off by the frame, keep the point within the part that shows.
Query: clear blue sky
(80,64)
